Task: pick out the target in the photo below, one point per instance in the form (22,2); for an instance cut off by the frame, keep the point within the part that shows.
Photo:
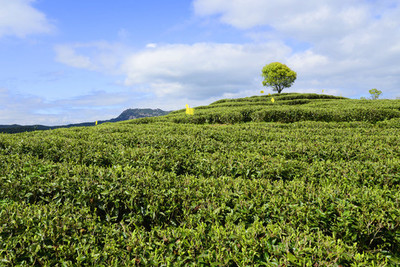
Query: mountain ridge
(128,114)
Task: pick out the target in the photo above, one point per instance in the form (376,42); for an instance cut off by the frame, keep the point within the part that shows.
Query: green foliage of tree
(278,76)
(375,93)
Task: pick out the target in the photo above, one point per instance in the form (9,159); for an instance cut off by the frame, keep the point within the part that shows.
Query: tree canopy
(375,93)
(278,76)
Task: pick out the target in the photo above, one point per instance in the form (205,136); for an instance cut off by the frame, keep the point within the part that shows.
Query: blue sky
(69,61)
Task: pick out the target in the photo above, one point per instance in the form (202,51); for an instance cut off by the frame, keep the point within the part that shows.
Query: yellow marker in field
(272,100)
(96,122)
(189,111)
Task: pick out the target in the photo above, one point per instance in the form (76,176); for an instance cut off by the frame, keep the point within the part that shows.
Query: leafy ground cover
(310,180)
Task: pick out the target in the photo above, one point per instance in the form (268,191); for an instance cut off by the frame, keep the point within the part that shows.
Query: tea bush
(226,187)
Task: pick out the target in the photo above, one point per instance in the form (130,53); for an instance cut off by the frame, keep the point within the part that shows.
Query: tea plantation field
(309,180)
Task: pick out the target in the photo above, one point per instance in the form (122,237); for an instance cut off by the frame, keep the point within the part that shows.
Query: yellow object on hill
(189,111)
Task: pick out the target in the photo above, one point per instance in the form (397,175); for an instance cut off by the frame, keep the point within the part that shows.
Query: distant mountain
(136,113)
(128,114)
(15,128)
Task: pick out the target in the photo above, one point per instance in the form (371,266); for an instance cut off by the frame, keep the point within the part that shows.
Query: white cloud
(25,109)
(68,56)
(202,69)
(351,45)
(290,15)
(203,72)
(97,56)
(95,99)
(151,45)
(19,18)
(308,63)
(16,108)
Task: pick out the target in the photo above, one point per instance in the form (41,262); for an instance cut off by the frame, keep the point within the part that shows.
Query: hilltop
(136,113)
(287,108)
(306,180)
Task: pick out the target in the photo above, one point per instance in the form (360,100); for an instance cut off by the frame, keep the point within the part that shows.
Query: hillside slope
(302,181)
(291,108)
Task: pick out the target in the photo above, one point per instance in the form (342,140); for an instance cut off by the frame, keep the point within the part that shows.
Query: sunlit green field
(309,180)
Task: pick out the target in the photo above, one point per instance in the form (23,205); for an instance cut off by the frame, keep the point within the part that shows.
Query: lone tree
(375,93)
(278,76)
